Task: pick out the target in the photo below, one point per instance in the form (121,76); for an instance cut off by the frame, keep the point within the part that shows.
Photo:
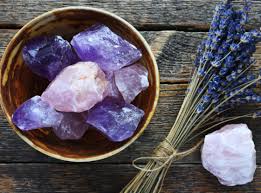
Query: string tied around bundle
(163,154)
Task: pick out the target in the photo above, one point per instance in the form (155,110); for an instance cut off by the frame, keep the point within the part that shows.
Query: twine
(163,154)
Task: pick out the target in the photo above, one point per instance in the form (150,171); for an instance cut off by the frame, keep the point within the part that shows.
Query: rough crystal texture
(99,44)
(77,88)
(48,55)
(230,155)
(115,119)
(131,80)
(35,113)
(112,90)
(71,127)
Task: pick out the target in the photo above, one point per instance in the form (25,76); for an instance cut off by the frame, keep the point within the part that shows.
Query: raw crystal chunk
(35,113)
(77,88)
(48,55)
(131,80)
(230,154)
(115,119)
(99,44)
(112,90)
(71,127)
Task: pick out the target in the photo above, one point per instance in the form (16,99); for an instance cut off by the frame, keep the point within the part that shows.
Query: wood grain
(148,14)
(173,50)
(97,178)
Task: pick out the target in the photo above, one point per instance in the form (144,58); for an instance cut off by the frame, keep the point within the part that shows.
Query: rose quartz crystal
(131,80)
(77,88)
(230,154)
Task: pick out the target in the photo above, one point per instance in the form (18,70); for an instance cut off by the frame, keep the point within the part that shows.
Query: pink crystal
(77,88)
(72,127)
(131,80)
(230,154)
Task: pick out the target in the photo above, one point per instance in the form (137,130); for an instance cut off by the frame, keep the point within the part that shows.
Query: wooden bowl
(18,83)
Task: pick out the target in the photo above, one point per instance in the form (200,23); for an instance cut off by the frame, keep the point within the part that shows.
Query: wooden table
(173,28)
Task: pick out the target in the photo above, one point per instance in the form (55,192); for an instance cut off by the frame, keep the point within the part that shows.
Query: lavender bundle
(222,80)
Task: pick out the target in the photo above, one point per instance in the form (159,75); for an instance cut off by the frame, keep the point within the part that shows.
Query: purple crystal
(100,45)
(112,90)
(71,127)
(115,119)
(35,113)
(131,80)
(46,56)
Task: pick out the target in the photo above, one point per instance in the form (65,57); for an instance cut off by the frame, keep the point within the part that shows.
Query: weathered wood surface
(99,178)
(23,169)
(173,52)
(144,14)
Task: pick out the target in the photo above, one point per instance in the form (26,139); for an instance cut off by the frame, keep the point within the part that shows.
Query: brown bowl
(18,83)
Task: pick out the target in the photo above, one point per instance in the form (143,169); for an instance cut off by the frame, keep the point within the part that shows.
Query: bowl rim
(150,115)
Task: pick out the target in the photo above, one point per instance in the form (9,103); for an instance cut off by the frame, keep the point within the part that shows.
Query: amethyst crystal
(100,45)
(112,90)
(131,80)
(114,118)
(71,127)
(46,56)
(35,113)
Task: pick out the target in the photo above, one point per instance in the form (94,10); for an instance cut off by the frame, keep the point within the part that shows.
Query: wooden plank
(167,14)
(96,178)
(173,51)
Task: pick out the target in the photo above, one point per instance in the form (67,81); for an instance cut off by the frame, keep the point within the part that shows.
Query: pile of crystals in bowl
(94,79)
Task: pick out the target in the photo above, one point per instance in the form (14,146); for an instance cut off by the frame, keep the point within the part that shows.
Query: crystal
(46,56)
(77,88)
(131,80)
(72,126)
(112,90)
(230,154)
(114,118)
(35,113)
(101,45)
